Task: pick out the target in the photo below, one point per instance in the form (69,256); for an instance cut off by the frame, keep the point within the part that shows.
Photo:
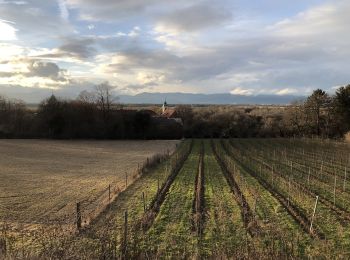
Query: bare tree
(104,98)
(87,97)
(295,117)
(12,113)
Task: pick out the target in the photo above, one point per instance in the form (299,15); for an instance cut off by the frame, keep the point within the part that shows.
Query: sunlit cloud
(241,91)
(7,31)
(286,91)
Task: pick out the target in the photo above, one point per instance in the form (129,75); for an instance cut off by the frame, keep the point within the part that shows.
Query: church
(167,124)
(170,113)
(167,111)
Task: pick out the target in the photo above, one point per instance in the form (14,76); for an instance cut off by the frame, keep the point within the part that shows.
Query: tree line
(97,114)
(320,114)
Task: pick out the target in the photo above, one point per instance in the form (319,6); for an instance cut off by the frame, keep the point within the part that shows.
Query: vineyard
(237,198)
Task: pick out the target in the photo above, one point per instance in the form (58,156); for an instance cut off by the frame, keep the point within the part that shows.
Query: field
(237,198)
(42,180)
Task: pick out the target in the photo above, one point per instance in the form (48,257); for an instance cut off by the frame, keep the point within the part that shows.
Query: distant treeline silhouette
(97,115)
(320,114)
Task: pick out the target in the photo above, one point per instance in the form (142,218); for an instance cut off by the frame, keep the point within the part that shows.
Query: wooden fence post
(289,191)
(255,204)
(344,185)
(313,214)
(144,202)
(125,237)
(109,194)
(3,249)
(335,188)
(158,184)
(272,176)
(78,216)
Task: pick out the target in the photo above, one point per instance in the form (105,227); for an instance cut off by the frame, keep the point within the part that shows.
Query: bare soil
(41,180)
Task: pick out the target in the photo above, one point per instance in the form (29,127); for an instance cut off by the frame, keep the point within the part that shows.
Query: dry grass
(42,180)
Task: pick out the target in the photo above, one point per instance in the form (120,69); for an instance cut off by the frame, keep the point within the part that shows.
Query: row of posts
(143,197)
(78,204)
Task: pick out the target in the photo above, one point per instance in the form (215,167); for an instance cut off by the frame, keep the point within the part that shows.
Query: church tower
(164,107)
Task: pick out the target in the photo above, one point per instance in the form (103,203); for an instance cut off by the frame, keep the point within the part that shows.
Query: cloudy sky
(244,47)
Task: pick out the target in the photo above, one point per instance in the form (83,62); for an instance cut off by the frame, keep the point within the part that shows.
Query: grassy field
(257,200)
(171,234)
(42,180)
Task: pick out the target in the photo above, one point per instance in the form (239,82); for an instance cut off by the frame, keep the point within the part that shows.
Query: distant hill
(220,99)
(36,95)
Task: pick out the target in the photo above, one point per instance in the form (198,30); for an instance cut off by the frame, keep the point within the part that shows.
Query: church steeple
(164,107)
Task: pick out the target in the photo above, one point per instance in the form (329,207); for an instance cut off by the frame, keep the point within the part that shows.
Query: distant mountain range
(206,99)
(35,96)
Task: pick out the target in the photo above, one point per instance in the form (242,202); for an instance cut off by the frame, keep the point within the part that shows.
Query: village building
(170,113)
(167,124)
(148,124)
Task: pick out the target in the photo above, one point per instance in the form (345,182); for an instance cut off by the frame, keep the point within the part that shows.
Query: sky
(246,47)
